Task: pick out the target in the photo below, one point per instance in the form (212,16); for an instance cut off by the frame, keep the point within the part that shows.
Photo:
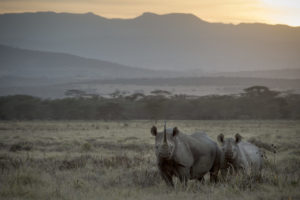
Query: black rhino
(239,155)
(185,156)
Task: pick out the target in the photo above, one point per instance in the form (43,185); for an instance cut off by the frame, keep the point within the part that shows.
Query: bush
(256,103)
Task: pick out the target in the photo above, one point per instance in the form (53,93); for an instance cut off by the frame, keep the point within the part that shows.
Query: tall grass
(86,160)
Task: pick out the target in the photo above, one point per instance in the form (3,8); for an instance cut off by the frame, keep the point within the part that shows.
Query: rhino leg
(183,174)
(201,179)
(183,179)
(216,167)
(203,165)
(224,174)
(167,178)
(214,176)
(214,173)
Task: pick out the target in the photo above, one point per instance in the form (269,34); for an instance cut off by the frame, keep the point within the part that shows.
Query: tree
(260,91)
(162,93)
(155,107)
(110,111)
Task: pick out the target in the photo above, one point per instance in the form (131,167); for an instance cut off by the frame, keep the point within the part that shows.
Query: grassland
(115,160)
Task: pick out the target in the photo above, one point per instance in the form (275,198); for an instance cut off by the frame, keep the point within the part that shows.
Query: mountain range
(157,42)
(24,64)
(50,75)
(46,54)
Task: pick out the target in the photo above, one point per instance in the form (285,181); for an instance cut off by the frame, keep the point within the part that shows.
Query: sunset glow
(226,11)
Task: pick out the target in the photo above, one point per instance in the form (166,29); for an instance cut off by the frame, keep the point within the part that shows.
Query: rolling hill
(31,66)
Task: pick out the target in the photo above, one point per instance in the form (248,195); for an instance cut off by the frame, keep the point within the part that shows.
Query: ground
(115,160)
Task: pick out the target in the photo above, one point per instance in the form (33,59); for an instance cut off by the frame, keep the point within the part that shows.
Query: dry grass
(115,160)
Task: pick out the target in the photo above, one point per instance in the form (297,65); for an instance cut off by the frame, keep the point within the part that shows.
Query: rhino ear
(175,131)
(238,138)
(154,130)
(221,138)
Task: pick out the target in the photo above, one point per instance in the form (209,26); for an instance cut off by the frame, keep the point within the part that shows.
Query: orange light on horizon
(226,11)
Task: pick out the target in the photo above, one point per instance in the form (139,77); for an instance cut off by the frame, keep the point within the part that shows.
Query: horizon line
(149,12)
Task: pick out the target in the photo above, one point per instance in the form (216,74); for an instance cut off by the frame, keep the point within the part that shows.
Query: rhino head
(164,142)
(229,146)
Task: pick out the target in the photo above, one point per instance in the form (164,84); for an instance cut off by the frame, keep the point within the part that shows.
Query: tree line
(257,102)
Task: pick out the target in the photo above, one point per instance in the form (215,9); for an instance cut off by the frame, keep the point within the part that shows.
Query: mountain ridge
(145,14)
(152,41)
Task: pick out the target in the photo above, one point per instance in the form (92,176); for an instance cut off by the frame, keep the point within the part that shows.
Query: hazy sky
(228,11)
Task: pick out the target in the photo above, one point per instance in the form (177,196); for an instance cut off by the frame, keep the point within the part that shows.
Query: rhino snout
(229,155)
(164,151)
(164,155)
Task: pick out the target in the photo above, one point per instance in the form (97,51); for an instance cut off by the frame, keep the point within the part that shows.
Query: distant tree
(20,107)
(293,106)
(110,111)
(118,94)
(163,93)
(257,102)
(260,91)
(135,96)
(75,93)
(155,107)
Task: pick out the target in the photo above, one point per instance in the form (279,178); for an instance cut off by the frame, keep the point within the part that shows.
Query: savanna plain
(116,160)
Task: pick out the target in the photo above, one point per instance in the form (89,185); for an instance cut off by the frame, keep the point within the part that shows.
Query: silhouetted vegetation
(257,102)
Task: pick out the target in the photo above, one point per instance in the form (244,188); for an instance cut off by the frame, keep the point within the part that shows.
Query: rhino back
(202,143)
(205,142)
(200,136)
(198,151)
(250,155)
